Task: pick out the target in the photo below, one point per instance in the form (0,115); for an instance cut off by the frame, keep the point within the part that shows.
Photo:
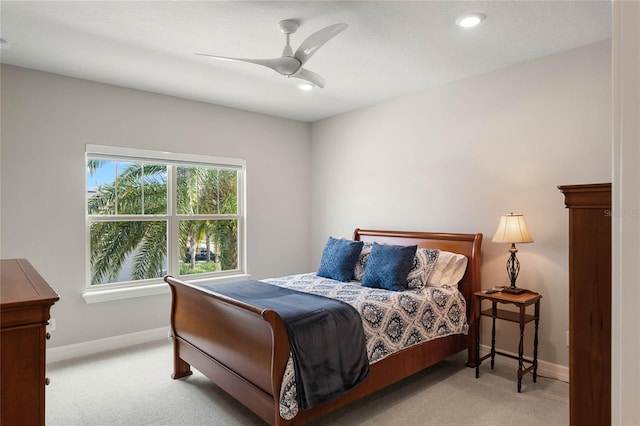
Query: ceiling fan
(290,64)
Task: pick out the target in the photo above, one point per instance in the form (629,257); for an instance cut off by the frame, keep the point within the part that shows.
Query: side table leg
(535,342)
(477,342)
(493,341)
(521,349)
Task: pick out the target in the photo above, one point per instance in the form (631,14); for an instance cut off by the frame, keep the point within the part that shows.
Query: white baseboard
(545,369)
(107,344)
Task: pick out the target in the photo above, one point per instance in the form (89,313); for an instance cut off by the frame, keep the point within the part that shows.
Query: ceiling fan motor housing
(288,65)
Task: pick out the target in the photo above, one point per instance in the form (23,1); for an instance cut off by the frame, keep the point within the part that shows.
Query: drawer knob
(48,335)
(46,381)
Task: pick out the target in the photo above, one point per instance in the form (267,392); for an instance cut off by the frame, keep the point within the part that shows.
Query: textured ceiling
(390,49)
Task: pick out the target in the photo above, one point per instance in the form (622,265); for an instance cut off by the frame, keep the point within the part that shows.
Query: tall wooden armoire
(589,302)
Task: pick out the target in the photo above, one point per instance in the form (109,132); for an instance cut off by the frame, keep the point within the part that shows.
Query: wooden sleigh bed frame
(244,349)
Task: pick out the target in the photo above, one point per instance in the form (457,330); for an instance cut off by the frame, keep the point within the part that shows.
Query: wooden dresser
(25,300)
(589,303)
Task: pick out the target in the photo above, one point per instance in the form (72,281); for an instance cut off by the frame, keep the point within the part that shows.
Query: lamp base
(513,290)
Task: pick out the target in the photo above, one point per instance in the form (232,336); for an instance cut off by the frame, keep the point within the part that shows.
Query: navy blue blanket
(325,335)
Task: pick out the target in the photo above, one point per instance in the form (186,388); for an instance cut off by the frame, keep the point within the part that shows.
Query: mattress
(392,320)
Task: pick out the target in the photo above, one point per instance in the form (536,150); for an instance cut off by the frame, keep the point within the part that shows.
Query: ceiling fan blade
(269,63)
(285,65)
(317,40)
(310,76)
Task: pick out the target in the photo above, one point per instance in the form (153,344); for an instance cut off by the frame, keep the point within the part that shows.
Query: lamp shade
(512,229)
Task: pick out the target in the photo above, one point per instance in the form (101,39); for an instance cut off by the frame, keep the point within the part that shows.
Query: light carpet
(132,386)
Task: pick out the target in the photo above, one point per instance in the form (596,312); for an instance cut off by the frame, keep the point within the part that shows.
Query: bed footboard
(242,348)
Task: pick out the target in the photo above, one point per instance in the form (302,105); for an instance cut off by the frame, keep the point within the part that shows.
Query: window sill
(109,294)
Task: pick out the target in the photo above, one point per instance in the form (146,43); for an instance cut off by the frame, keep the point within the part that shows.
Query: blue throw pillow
(388,266)
(339,258)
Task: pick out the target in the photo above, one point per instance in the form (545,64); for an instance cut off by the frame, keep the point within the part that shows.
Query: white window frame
(122,290)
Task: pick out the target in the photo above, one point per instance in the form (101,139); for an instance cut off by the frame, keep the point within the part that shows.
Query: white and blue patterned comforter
(392,321)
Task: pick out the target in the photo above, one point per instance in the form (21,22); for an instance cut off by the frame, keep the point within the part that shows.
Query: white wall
(448,159)
(455,157)
(625,385)
(46,121)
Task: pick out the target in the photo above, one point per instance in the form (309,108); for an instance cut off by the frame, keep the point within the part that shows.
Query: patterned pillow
(422,267)
(358,272)
(448,269)
(423,264)
(339,258)
(388,266)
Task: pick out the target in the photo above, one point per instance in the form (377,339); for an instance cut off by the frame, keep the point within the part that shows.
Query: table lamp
(512,229)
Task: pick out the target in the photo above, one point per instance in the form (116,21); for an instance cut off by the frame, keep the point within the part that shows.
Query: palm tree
(141,188)
(209,191)
(225,232)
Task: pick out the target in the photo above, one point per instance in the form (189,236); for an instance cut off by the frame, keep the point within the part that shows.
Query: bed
(245,349)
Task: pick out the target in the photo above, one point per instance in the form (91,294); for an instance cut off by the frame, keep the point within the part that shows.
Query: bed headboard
(466,244)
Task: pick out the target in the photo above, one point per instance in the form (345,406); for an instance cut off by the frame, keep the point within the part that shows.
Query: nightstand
(521,301)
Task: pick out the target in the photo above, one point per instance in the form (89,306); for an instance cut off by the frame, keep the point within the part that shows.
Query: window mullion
(142,187)
(116,183)
(173,238)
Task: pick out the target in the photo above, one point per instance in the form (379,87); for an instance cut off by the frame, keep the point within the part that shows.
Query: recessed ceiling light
(470,20)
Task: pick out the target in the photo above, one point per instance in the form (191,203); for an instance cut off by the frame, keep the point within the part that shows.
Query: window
(152,213)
